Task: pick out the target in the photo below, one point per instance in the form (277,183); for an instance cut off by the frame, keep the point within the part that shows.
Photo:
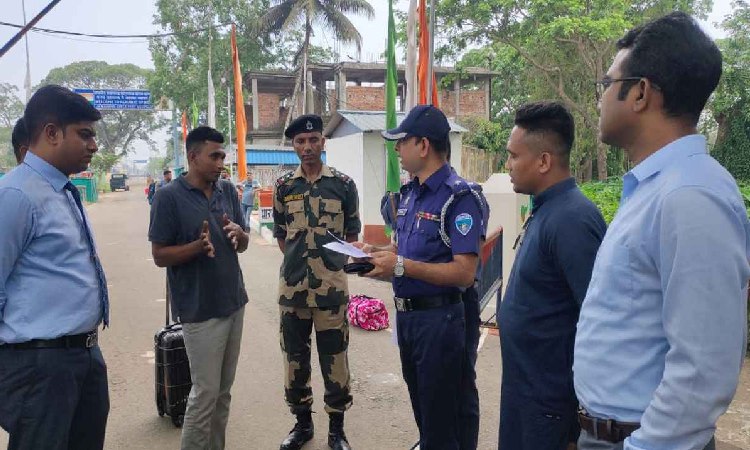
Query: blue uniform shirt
(49,286)
(662,332)
(538,315)
(418,225)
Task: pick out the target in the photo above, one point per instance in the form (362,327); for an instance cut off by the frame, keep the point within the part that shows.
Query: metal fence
(491,274)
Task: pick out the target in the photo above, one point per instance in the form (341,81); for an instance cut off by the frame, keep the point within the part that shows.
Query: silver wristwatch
(398,270)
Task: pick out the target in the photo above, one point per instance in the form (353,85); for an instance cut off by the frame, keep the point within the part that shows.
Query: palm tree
(330,14)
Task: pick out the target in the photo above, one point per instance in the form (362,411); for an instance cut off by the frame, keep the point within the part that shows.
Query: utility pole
(8,45)
(27,82)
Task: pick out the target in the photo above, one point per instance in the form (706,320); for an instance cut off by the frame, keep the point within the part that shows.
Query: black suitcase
(172,371)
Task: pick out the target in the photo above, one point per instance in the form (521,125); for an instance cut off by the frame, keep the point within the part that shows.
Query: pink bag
(367,313)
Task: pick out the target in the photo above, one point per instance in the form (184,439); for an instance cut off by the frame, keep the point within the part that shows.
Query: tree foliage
(118,131)
(565,44)
(730,104)
(11,106)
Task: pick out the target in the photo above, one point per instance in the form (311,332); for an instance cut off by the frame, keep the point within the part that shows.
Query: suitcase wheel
(177,421)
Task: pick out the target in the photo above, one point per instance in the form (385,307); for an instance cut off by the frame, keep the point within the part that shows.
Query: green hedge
(606,196)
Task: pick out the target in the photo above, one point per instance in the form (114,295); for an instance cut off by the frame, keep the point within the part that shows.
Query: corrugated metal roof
(373,121)
(258,157)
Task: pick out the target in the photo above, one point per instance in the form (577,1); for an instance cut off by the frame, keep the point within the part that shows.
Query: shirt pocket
(332,215)
(296,209)
(426,239)
(615,272)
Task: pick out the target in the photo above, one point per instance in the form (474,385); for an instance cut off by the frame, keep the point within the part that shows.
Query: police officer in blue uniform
(439,225)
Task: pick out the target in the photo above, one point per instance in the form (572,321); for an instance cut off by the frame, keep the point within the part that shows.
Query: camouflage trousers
(332,337)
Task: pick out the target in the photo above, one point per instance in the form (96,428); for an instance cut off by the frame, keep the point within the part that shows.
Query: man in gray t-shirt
(196,231)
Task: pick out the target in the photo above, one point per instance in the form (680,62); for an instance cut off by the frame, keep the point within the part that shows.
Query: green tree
(291,15)
(730,104)
(11,107)
(118,131)
(567,44)
(181,61)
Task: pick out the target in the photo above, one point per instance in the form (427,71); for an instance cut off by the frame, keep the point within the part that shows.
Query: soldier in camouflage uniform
(310,204)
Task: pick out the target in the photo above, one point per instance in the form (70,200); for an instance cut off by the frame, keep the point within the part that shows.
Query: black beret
(304,124)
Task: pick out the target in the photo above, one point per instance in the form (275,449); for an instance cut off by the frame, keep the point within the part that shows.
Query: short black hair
(674,53)
(19,138)
(200,135)
(58,105)
(166,171)
(549,118)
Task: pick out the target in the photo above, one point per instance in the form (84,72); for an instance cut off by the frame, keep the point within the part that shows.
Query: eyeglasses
(603,85)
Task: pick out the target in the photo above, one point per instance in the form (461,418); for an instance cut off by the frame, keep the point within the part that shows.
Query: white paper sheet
(346,248)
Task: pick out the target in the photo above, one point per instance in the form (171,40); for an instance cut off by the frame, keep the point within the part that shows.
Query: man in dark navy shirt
(555,254)
(435,254)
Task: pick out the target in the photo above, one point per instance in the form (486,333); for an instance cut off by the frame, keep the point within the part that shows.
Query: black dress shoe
(301,433)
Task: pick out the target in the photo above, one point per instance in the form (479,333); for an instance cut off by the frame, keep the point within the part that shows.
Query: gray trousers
(587,442)
(213,348)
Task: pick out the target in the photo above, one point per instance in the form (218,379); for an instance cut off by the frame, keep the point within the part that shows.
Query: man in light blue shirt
(53,294)
(662,332)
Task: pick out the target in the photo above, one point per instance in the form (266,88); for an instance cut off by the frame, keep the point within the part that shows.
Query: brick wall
(471,103)
(362,98)
(270,117)
(365,98)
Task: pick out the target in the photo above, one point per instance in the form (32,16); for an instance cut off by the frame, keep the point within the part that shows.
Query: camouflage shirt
(303,214)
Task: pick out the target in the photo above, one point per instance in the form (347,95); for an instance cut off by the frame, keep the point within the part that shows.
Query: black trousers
(468,400)
(432,348)
(54,399)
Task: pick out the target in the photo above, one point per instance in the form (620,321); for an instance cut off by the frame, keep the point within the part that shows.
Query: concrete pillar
(256,106)
(310,94)
(487,99)
(341,91)
(457,95)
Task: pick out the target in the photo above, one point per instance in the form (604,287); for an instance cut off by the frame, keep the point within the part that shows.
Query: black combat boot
(300,434)
(336,437)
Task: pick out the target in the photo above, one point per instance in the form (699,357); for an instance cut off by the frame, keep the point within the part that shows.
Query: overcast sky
(136,17)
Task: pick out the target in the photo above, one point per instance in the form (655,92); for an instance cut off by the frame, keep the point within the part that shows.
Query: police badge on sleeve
(464,222)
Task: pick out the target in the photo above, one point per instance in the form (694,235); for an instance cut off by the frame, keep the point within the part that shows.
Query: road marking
(149,259)
(161,300)
(112,243)
(148,354)
(485,332)
(152,361)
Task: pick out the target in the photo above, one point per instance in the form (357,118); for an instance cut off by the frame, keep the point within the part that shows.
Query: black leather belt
(606,429)
(85,340)
(430,302)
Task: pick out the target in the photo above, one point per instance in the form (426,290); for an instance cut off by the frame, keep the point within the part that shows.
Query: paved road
(381,417)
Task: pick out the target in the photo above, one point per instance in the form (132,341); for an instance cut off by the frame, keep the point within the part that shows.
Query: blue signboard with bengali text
(117,99)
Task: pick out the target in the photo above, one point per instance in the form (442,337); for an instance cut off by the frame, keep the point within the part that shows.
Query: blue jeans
(246,211)
(432,348)
(54,399)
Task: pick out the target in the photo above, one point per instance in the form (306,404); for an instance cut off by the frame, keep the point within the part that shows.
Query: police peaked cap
(304,124)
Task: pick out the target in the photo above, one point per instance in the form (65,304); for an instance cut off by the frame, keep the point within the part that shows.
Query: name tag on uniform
(401,212)
(293,197)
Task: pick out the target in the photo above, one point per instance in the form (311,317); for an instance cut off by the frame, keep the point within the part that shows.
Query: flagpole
(431,71)
(27,81)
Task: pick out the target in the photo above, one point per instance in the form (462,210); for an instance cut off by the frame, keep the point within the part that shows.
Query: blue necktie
(104,297)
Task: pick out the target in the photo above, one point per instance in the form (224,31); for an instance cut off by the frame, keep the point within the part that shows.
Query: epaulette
(458,185)
(284,178)
(340,175)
